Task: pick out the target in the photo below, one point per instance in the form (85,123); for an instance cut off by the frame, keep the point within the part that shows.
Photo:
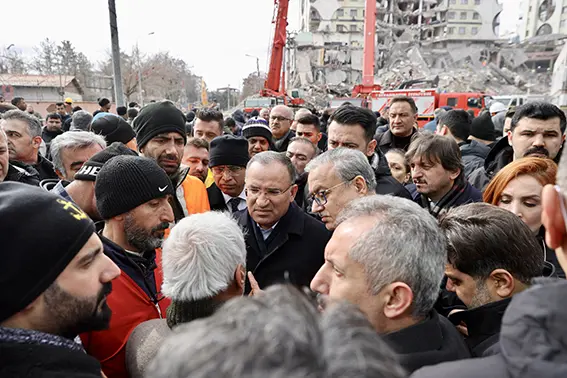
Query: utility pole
(257,63)
(115,54)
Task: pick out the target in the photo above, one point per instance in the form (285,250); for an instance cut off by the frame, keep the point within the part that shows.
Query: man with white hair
(69,151)
(387,256)
(281,118)
(204,261)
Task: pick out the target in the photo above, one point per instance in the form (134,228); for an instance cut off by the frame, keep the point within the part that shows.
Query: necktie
(234,202)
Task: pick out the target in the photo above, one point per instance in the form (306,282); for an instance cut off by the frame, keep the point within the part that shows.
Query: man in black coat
(47,303)
(403,120)
(228,157)
(354,127)
(386,256)
(283,243)
(437,173)
(510,256)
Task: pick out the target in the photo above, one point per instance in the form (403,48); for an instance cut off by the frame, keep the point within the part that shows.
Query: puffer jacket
(499,156)
(533,339)
(473,155)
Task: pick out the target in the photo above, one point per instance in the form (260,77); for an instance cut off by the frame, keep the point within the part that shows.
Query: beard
(481,296)
(70,316)
(142,239)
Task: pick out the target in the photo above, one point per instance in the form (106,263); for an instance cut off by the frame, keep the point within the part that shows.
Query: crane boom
(276,60)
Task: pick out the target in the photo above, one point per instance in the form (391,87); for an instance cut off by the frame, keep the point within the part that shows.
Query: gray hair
(34,125)
(72,140)
(283,327)
(348,164)
(200,256)
(305,141)
(81,120)
(269,157)
(405,245)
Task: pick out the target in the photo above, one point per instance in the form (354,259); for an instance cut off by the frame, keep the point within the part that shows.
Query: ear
(141,150)
(319,136)
(510,137)
(36,141)
(502,283)
(455,174)
(442,130)
(408,177)
(293,192)
(360,185)
(59,174)
(371,147)
(240,278)
(552,218)
(398,300)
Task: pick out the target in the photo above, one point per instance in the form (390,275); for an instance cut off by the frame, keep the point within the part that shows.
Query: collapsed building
(454,43)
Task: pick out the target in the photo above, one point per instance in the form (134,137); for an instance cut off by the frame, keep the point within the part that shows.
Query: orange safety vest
(130,306)
(192,195)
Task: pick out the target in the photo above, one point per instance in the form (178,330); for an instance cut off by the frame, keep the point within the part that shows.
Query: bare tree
(12,62)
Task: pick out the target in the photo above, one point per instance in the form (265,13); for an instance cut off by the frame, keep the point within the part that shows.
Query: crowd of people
(282,243)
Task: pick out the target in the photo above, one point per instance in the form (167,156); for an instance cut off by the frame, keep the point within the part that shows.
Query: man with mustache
(537,129)
(132,196)
(160,135)
(53,288)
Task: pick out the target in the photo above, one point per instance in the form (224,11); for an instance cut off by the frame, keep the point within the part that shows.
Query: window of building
(341,28)
(476,2)
(462,30)
(451,15)
(354,13)
(340,12)
(353,28)
(450,30)
(463,15)
(465,2)
(476,16)
(474,30)
(452,101)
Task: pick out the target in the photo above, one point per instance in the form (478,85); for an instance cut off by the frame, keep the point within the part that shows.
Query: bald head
(281,118)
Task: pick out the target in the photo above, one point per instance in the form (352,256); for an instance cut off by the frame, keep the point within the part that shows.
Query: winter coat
(553,268)
(473,154)
(281,144)
(532,342)
(25,175)
(135,298)
(216,199)
(43,166)
(385,183)
(498,157)
(26,353)
(483,326)
(293,252)
(48,136)
(430,342)
(387,141)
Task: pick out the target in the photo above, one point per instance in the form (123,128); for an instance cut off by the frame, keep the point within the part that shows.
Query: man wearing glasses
(281,118)
(227,159)
(283,243)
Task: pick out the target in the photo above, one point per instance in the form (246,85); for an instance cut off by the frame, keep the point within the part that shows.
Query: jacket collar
(421,337)
(32,337)
(388,137)
(484,320)
(379,164)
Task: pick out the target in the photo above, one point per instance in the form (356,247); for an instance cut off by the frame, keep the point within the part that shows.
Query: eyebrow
(89,256)
(533,196)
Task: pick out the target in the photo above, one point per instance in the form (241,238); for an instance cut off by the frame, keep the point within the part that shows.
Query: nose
(516,209)
(167,214)
(416,173)
(319,283)
(200,167)
(538,141)
(316,208)
(170,149)
(110,271)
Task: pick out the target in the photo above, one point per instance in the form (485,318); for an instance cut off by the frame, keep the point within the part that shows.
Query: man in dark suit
(283,243)
(228,157)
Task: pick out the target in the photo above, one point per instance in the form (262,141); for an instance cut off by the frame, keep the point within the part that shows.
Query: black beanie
(257,127)
(157,118)
(126,182)
(113,128)
(91,167)
(228,150)
(483,128)
(32,261)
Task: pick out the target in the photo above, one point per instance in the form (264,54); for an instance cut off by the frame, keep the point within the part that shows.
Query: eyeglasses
(231,170)
(321,197)
(279,118)
(269,193)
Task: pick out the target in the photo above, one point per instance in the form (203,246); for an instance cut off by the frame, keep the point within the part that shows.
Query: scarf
(32,337)
(448,200)
(180,311)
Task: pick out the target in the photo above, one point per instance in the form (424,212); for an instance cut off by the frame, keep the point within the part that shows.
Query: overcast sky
(213,36)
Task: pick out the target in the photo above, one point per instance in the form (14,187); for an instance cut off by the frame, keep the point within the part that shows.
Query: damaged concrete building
(414,38)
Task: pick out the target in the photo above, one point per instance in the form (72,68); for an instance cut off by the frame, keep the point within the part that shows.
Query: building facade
(542,17)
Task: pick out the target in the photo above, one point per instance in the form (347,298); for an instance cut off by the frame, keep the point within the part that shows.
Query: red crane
(368,86)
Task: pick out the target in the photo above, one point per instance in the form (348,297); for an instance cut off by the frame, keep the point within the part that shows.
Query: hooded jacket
(499,156)
(473,155)
(533,339)
(385,183)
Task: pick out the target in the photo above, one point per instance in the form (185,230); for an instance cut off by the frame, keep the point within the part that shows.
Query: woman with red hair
(517,188)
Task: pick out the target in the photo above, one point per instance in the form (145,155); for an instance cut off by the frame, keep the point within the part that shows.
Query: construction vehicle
(274,91)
